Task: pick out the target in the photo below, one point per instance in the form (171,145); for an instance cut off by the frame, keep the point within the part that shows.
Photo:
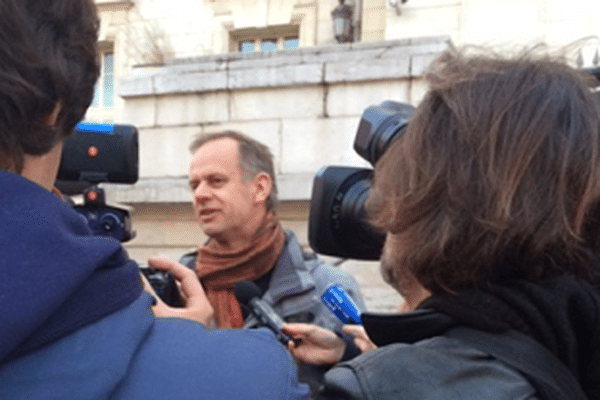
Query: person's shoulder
(220,363)
(245,343)
(327,274)
(321,273)
(73,362)
(299,254)
(428,366)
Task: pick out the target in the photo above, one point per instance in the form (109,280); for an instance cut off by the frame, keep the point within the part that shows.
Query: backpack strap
(544,371)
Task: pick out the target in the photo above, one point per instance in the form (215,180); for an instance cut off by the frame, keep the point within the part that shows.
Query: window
(273,38)
(104,93)
(290,43)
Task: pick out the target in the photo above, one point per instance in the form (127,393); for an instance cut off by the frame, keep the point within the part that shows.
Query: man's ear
(53,115)
(262,187)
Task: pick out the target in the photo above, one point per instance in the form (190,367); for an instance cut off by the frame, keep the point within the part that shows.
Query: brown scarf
(220,269)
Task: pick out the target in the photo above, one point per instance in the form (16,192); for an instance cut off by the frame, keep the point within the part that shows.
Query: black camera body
(337,224)
(164,285)
(97,153)
(104,219)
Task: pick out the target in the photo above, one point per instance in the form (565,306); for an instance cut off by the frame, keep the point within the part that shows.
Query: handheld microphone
(336,299)
(248,295)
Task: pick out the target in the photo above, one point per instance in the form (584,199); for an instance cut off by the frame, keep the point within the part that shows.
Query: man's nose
(202,191)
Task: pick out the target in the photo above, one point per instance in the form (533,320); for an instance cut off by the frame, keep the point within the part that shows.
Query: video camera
(98,153)
(337,224)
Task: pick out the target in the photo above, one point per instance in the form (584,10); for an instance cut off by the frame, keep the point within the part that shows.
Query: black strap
(546,373)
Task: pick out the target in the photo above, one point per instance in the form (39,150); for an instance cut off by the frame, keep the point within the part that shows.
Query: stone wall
(304,104)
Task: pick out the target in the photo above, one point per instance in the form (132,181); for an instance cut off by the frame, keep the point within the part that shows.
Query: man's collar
(290,275)
(384,329)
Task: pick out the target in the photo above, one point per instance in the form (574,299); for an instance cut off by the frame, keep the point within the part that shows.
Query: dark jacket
(434,367)
(76,324)
(417,360)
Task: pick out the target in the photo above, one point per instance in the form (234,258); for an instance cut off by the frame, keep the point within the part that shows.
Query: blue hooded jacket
(76,324)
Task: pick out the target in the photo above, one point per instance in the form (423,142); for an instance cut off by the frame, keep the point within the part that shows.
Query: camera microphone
(248,295)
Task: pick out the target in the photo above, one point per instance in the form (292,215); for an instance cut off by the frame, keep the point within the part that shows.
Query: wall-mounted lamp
(395,4)
(342,23)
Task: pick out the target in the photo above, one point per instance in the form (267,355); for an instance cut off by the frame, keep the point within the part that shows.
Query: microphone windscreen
(245,291)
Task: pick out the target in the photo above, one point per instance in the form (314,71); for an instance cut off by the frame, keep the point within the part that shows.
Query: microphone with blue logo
(336,299)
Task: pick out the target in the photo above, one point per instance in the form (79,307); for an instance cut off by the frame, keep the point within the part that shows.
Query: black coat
(416,361)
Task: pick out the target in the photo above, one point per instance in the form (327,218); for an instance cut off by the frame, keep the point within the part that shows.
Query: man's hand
(313,344)
(361,339)
(196,306)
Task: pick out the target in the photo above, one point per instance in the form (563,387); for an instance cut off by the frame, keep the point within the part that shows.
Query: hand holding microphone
(336,299)
(315,345)
(320,346)
(308,343)
(248,295)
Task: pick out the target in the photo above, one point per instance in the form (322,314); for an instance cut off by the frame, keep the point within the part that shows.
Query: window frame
(279,33)
(101,100)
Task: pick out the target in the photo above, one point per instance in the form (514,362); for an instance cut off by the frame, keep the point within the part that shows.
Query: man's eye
(217,181)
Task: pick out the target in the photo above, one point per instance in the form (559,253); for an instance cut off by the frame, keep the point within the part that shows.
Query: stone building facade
(176,71)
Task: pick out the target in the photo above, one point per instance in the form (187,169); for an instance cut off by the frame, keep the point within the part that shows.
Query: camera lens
(378,126)
(337,221)
(109,223)
(338,224)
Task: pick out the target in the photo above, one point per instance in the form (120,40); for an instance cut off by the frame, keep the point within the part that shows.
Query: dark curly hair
(48,56)
(498,174)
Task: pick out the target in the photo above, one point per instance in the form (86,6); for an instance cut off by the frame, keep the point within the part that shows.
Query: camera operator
(490,202)
(76,322)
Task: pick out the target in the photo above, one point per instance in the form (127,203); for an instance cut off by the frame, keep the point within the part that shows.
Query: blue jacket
(76,324)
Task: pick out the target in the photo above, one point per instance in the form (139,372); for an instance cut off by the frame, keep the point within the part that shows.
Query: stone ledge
(318,65)
(149,190)
(113,5)
(175,189)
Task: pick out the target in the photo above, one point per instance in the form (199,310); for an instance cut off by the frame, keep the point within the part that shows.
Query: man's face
(395,272)
(390,260)
(223,203)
